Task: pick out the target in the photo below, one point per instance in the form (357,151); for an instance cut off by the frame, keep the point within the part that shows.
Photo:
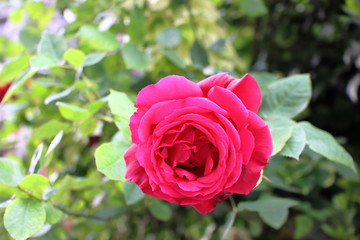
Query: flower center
(189,152)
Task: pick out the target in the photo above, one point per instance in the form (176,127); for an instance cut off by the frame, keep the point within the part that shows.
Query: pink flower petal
(229,102)
(248,91)
(205,206)
(221,80)
(168,88)
(134,172)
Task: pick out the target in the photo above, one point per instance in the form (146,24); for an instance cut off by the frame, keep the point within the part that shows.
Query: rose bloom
(197,144)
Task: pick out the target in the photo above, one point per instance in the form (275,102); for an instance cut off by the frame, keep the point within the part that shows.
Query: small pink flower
(197,144)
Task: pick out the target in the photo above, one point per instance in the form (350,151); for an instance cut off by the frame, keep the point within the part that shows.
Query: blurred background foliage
(63,57)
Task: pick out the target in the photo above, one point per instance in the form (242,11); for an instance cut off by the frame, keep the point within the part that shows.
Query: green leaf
(137,27)
(160,209)
(169,37)
(24,217)
(54,142)
(53,215)
(88,126)
(36,157)
(276,218)
(219,45)
(198,55)
(296,144)
(10,172)
(324,144)
(280,130)
(40,62)
(14,69)
(19,82)
(35,184)
(268,203)
(102,41)
(253,8)
(29,38)
(75,57)
(303,225)
(134,58)
(51,128)
(132,193)
(52,46)
(264,79)
(93,58)
(109,159)
(286,97)
(174,58)
(122,108)
(272,210)
(72,112)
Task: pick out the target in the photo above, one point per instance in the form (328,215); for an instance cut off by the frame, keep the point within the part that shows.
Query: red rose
(197,144)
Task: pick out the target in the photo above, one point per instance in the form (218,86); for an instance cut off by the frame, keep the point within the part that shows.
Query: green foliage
(272,210)
(109,160)
(64,122)
(24,217)
(286,97)
(11,173)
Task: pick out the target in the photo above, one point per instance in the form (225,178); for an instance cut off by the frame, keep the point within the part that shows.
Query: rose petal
(259,158)
(205,206)
(248,91)
(229,102)
(168,88)
(221,80)
(134,172)
(247,145)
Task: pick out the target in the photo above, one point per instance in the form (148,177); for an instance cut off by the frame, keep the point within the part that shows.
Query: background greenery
(63,57)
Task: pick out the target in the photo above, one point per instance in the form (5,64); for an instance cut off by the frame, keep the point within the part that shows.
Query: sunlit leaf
(53,215)
(24,217)
(102,41)
(52,46)
(72,112)
(11,172)
(122,108)
(14,69)
(35,184)
(134,58)
(75,57)
(110,161)
(169,37)
(93,58)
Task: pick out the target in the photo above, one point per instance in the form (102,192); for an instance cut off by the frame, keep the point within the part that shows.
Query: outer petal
(259,158)
(205,206)
(134,172)
(248,91)
(233,105)
(221,80)
(168,88)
